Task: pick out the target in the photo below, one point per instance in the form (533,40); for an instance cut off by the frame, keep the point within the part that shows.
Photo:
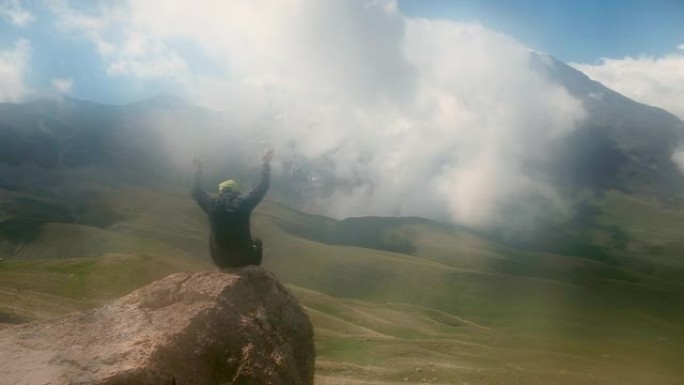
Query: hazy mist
(386,114)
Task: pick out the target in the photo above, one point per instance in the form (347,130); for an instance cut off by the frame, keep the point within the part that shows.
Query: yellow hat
(229,184)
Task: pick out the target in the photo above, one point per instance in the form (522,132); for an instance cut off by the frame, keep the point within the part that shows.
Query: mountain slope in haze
(72,169)
(55,134)
(622,145)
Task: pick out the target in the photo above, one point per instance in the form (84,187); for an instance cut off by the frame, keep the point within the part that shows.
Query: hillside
(622,145)
(94,204)
(448,305)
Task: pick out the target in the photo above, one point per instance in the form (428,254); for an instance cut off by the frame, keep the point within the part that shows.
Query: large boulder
(236,327)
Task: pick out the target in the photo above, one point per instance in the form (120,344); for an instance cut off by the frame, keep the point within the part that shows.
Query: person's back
(230,240)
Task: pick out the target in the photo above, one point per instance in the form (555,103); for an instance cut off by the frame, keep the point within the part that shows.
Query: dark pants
(238,258)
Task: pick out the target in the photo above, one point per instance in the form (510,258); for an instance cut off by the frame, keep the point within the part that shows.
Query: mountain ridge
(622,144)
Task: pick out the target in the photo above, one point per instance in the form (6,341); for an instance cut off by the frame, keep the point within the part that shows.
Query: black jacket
(230,239)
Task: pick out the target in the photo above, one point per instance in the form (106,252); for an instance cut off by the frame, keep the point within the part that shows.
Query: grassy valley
(412,301)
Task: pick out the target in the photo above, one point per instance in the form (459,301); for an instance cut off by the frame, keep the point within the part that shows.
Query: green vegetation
(45,288)
(411,301)
(24,217)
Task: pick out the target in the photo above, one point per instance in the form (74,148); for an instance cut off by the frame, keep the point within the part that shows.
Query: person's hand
(268,156)
(196,164)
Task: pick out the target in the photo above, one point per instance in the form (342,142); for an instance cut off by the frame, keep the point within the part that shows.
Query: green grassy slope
(39,289)
(456,308)
(549,318)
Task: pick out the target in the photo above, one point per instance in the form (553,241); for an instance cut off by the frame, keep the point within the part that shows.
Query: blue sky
(579,31)
(571,30)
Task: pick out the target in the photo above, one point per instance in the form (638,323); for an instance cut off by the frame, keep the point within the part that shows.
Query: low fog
(370,112)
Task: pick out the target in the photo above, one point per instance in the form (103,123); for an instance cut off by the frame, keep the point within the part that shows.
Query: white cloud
(127,49)
(390,115)
(92,27)
(63,85)
(657,81)
(678,158)
(14,12)
(161,64)
(13,67)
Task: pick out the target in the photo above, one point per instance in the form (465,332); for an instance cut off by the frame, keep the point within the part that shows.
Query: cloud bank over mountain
(391,115)
(658,81)
(14,65)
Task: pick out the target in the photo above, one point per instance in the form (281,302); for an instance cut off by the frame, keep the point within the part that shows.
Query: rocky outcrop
(238,327)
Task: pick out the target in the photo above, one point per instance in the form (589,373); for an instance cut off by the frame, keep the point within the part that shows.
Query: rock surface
(236,327)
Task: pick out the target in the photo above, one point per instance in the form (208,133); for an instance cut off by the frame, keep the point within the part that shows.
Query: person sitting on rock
(230,239)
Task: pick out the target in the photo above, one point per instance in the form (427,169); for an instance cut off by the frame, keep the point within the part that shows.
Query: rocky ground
(238,327)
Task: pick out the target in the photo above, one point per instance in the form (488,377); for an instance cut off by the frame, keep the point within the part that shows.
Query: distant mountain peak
(166,99)
(543,59)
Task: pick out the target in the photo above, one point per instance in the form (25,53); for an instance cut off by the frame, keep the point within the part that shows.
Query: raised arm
(198,194)
(255,196)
